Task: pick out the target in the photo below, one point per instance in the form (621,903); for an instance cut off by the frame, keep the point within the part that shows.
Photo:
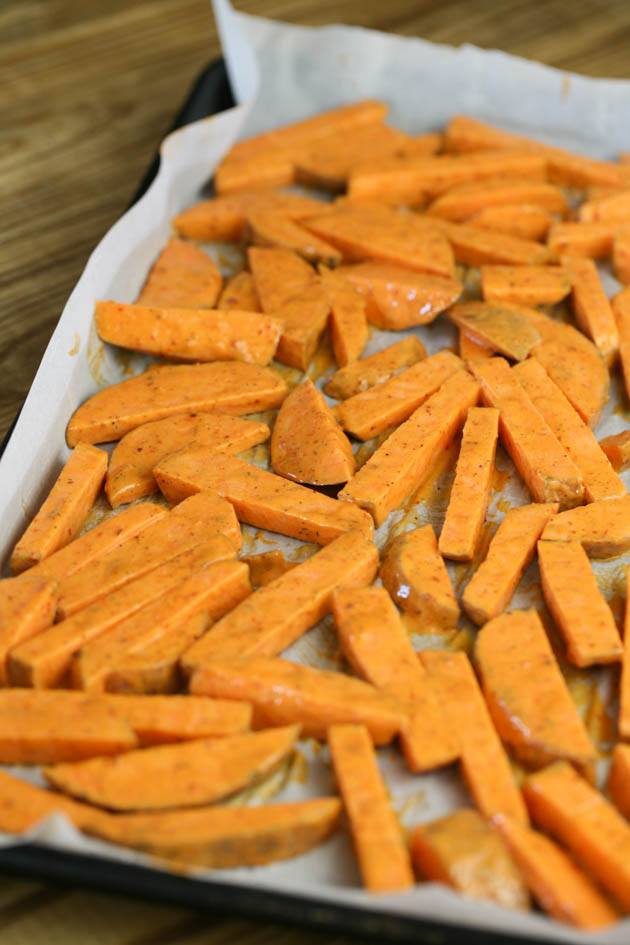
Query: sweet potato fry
(416,577)
(503,329)
(183,276)
(400,465)
(617,449)
(602,528)
(267,169)
(189,334)
(375,369)
(548,472)
(621,311)
(524,285)
(475,245)
(348,324)
(27,606)
(619,779)
(561,889)
(276,616)
(483,761)
(591,240)
(188,774)
(464,851)
(566,806)
(613,207)
(240,293)
(266,567)
(271,228)
(471,348)
(130,473)
(307,444)
(623,720)
(621,255)
(526,693)
(229,387)
(260,498)
(279,275)
(377,646)
(367,414)
(576,603)
(157,720)
(380,848)
(511,550)
(225,218)
(460,203)
(304,319)
(64,510)
(524,221)
(23,805)
(470,493)
(591,307)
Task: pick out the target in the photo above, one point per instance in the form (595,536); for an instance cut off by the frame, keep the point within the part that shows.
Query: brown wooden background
(87,90)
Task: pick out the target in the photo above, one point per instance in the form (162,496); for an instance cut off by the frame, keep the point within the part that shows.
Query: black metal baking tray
(210,94)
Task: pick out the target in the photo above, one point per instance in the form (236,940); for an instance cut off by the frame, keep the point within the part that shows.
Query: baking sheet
(301,71)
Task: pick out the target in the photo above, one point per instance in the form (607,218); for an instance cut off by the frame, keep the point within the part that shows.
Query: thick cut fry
(492,586)
(229,387)
(45,727)
(602,528)
(260,498)
(375,369)
(416,577)
(464,851)
(304,319)
(526,693)
(621,310)
(225,218)
(613,207)
(524,285)
(23,806)
(377,646)
(475,246)
(600,479)
(271,228)
(283,693)
(591,240)
(240,293)
(182,276)
(401,464)
(543,464)
(276,616)
(523,221)
(591,307)
(389,404)
(470,493)
(266,169)
(130,473)
(617,449)
(621,255)
(460,203)
(576,604)
(43,661)
(502,329)
(189,334)
(619,779)
(27,606)
(279,276)
(307,444)
(566,806)
(348,324)
(212,591)
(623,720)
(266,567)
(157,720)
(483,761)
(471,348)
(380,849)
(562,890)
(397,298)
(64,510)
(188,774)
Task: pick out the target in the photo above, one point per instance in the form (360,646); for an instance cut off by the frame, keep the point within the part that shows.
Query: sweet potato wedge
(589,240)
(27,606)
(267,566)
(502,329)
(273,228)
(621,255)
(284,693)
(158,720)
(511,550)
(524,285)
(225,218)
(476,246)
(400,465)
(464,851)
(602,528)
(279,613)
(566,806)
(183,276)
(304,318)
(23,806)
(484,764)
(188,774)
(279,275)
(621,311)
(524,221)
(379,845)
(267,169)
(377,646)
(619,779)
(460,203)
(471,348)
(527,696)
(375,369)
(613,207)
(260,498)
(307,444)
(623,719)
(348,324)
(229,387)
(617,449)
(240,293)
(576,604)
(548,472)
(591,307)
(65,509)
(130,473)
(389,404)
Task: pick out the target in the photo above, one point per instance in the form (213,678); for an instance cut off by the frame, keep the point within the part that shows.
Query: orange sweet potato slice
(225,218)
(503,329)
(267,169)
(304,319)
(271,228)
(523,221)
(566,806)
(460,203)
(484,764)
(278,614)
(528,698)
(266,567)
(621,255)
(130,473)
(577,605)
(183,276)
(524,285)
(64,510)
(543,464)
(385,405)
(591,307)
(377,646)
(27,606)
(23,806)
(398,467)
(463,851)
(348,324)
(619,779)
(621,311)
(375,369)
(623,720)
(612,207)
(260,498)
(284,693)
(159,720)
(617,449)
(279,275)
(476,246)
(471,348)
(602,528)
(590,240)
(240,293)
(229,387)
(307,444)
(188,774)
(380,848)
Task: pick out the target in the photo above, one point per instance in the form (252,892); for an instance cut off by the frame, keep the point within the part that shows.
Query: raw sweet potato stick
(240,293)
(591,307)
(27,606)
(602,528)
(523,221)
(272,228)
(621,311)
(504,330)
(524,285)
(158,720)
(225,218)
(375,369)
(475,246)
(621,254)
(612,207)
(587,240)
(348,324)
(183,276)
(619,779)
(623,720)
(460,203)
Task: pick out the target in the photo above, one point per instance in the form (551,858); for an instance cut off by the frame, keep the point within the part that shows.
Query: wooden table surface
(87,91)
